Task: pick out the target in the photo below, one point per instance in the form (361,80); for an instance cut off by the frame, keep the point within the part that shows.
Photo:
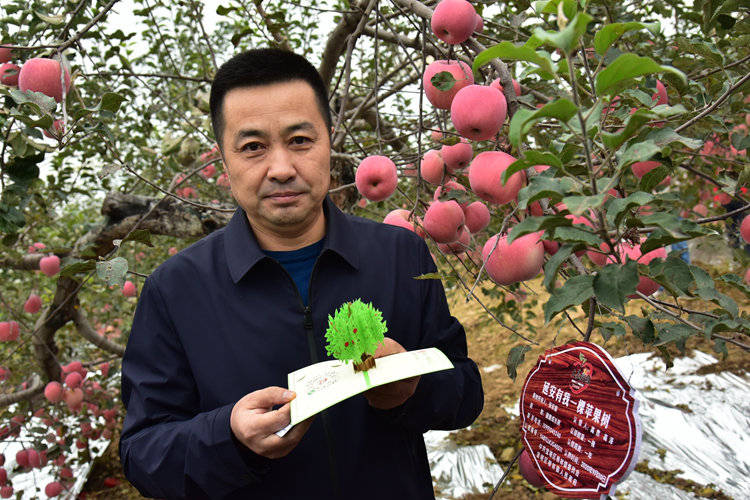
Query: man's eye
(251,146)
(300,140)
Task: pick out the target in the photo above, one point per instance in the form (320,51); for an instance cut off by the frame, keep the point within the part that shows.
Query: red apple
(53,392)
(528,470)
(520,261)
(436,135)
(9,74)
(485,177)
(73,380)
(9,331)
(479,26)
(50,265)
(33,304)
(457,156)
(399,217)
(5,54)
(447,188)
(453,21)
(53,489)
(461,72)
(56,131)
(73,398)
(478,112)
(43,75)
(443,221)
(128,289)
(477,216)
(499,86)
(459,246)
(661,94)
(745,229)
(432,168)
(376,178)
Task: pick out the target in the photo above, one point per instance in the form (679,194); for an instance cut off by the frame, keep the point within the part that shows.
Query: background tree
(119,172)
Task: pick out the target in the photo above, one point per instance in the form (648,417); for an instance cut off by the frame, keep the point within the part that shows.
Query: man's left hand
(391,395)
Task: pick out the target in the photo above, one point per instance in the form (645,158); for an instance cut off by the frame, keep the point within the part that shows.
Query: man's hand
(396,393)
(254,422)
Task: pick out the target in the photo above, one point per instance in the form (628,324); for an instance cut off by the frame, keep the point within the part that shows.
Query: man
(220,325)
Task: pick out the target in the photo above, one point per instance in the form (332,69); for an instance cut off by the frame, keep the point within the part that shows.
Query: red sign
(579,421)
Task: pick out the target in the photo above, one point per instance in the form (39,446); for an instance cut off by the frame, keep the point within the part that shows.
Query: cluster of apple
(478,113)
(76,388)
(37,74)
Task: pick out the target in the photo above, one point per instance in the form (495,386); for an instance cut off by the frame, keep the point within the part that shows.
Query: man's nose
(281,167)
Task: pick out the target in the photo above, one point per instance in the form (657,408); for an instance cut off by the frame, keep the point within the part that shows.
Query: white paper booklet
(324,384)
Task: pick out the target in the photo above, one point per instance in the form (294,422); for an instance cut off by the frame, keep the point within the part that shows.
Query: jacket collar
(243,252)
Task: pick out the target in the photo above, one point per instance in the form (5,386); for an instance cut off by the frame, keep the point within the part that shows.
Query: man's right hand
(254,422)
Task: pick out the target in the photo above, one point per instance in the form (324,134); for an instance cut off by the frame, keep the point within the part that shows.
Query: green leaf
(616,208)
(53,20)
(542,186)
(524,119)
(633,124)
(653,178)
(429,276)
(534,224)
(554,263)
(531,158)
(606,330)
(575,290)
(509,52)
(626,67)
(736,282)
(515,357)
(639,151)
(443,81)
(78,267)
(44,103)
(580,204)
(140,235)
(673,273)
(707,51)
(643,328)
(566,39)
(605,37)
(613,283)
(674,332)
(112,271)
(665,136)
(575,234)
(111,101)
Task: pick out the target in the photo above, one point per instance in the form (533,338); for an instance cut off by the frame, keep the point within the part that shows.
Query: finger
(299,430)
(266,398)
(272,421)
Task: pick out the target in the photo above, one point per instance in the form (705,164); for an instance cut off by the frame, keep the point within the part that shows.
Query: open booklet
(324,384)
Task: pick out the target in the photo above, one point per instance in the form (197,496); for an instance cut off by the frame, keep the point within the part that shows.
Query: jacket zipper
(308,326)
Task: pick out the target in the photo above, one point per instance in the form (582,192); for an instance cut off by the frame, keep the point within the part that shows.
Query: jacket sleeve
(167,447)
(448,399)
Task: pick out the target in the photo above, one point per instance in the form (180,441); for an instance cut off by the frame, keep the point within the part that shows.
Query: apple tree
(582,141)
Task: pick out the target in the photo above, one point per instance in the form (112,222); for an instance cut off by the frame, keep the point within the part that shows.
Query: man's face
(277,153)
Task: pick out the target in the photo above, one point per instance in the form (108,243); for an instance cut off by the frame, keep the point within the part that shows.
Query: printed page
(324,384)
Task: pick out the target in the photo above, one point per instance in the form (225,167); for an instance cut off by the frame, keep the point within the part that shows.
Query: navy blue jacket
(221,319)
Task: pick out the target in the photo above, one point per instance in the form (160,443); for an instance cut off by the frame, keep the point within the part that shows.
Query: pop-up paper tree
(354,332)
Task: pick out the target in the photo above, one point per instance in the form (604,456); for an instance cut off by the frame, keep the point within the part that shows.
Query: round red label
(579,421)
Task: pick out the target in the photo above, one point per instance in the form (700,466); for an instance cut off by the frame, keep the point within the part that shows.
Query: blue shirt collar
(243,252)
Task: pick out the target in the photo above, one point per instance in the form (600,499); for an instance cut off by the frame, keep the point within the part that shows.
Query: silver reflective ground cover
(701,424)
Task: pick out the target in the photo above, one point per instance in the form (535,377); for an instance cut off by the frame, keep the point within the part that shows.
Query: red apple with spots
(33,304)
(432,168)
(477,216)
(50,265)
(458,156)
(486,174)
(43,75)
(376,178)
(461,73)
(511,263)
(443,221)
(478,112)
(9,74)
(453,21)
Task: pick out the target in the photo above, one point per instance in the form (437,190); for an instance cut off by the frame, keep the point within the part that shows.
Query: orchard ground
(488,345)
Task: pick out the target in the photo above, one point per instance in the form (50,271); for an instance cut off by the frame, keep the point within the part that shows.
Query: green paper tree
(355,329)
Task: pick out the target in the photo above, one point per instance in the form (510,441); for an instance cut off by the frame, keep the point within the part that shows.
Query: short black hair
(266,66)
